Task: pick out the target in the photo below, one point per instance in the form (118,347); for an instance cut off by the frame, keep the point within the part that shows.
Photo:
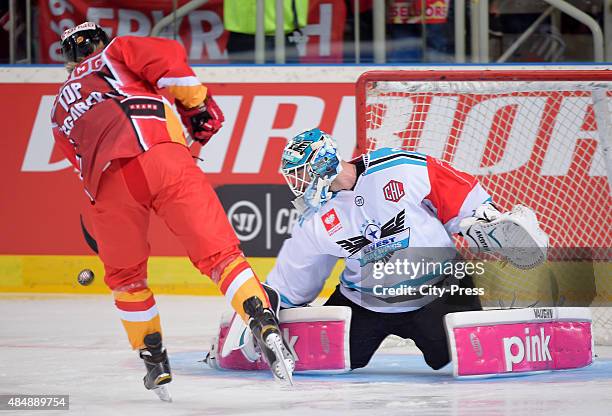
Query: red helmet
(81,41)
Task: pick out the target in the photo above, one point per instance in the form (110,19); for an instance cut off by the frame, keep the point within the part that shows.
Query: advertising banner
(42,197)
(201,31)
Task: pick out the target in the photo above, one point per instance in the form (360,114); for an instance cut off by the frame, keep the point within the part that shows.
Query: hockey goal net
(540,138)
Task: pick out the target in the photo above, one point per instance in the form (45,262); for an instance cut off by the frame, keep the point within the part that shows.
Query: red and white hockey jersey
(404,207)
(118,103)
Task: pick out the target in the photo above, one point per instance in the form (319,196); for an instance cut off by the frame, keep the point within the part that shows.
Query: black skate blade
(282,369)
(163,394)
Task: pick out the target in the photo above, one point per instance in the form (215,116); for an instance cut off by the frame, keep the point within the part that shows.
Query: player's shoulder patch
(331,221)
(387,157)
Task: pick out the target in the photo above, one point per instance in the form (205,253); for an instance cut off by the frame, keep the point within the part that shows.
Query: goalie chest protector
(404,206)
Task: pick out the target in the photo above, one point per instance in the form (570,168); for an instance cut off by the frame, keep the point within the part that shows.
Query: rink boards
(42,249)
(167,275)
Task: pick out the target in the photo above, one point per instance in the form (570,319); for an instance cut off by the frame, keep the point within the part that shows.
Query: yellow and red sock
(139,315)
(238,282)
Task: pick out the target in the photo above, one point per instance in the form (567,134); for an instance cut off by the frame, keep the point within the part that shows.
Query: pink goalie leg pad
(318,337)
(519,341)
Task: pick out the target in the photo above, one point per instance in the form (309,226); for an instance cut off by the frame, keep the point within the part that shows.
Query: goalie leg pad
(519,341)
(318,336)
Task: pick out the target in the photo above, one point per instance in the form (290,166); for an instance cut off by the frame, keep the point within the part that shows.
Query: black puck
(85,277)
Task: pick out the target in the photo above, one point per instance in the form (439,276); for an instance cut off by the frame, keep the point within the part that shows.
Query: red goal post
(538,137)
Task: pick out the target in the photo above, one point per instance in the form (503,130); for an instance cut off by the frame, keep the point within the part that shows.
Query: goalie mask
(310,163)
(81,41)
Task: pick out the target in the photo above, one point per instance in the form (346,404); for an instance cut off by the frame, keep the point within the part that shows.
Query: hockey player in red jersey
(114,118)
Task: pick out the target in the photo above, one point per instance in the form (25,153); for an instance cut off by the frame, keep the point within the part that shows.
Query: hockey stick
(91,242)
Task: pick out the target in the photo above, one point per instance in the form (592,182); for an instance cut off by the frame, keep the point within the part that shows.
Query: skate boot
(158,366)
(274,349)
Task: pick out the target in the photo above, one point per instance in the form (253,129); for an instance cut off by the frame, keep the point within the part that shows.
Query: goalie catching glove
(202,121)
(515,235)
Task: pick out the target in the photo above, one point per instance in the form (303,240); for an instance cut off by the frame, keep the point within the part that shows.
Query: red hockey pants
(166,180)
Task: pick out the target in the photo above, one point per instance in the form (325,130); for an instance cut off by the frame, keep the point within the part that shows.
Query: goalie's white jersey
(403,205)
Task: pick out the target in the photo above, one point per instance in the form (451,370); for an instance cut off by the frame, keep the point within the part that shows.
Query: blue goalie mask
(310,163)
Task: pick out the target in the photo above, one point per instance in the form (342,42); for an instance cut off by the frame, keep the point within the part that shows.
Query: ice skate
(274,349)
(158,366)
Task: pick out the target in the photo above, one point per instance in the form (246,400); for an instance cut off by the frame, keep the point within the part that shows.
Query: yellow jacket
(240,15)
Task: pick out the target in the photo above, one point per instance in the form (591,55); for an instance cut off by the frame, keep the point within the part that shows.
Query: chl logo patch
(331,222)
(394,191)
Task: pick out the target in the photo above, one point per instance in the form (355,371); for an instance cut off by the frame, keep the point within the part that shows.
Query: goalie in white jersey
(381,212)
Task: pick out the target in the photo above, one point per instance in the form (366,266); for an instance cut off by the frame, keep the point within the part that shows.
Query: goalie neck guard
(81,41)
(310,163)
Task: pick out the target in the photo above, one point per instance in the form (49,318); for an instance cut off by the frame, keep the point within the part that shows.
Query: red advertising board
(201,31)
(42,197)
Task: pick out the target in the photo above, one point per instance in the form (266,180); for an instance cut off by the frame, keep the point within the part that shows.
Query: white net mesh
(538,143)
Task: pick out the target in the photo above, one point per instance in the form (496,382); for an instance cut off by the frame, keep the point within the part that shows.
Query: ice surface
(75,345)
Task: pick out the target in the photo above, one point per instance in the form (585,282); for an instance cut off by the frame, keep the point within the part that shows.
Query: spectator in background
(4,32)
(366,32)
(507,21)
(239,18)
(408,21)
(20,34)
